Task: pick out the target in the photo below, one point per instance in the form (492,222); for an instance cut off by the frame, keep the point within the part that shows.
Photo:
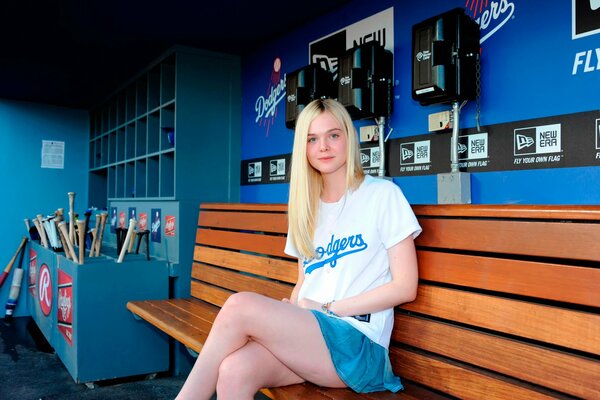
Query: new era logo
(586,18)
(598,134)
(543,139)
(415,152)
(255,169)
(524,141)
(277,167)
(474,146)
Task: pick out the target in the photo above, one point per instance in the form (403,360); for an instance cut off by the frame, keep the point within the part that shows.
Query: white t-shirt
(351,241)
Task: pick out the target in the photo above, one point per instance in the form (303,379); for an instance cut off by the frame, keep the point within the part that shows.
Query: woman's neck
(334,189)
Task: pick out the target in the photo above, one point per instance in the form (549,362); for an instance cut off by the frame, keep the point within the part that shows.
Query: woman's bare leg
(247,370)
(291,334)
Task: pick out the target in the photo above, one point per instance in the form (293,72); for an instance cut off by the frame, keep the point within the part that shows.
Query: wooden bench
(508,305)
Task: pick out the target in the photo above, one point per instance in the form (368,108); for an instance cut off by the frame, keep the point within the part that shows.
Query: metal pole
(381,126)
(454,141)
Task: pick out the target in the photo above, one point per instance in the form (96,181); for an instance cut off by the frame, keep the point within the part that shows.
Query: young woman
(353,236)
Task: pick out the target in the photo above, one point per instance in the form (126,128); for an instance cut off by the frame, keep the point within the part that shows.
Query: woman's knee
(236,378)
(238,308)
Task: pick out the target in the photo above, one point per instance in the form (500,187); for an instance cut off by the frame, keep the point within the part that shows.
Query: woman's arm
(401,289)
(294,296)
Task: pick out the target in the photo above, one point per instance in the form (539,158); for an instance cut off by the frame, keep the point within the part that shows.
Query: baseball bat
(12,261)
(60,214)
(132,241)
(42,231)
(95,237)
(27,225)
(103,218)
(130,229)
(88,214)
(81,235)
(15,289)
(63,241)
(63,228)
(71,216)
(93,246)
(13,294)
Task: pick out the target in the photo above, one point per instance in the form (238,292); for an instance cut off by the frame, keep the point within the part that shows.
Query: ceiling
(75,53)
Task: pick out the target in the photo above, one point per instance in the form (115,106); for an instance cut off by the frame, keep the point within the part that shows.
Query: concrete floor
(30,370)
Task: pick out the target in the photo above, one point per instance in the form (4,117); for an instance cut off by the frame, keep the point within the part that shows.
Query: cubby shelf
(130,134)
(171,133)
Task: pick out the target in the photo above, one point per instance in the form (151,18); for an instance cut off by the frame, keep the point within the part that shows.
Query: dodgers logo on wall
(155,225)
(586,18)
(113,219)
(266,106)
(45,289)
(65,306)
(490,15)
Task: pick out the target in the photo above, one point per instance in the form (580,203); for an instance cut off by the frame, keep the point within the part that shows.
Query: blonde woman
(353,237)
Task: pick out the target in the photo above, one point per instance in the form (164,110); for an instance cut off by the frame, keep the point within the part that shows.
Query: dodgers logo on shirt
(335,249)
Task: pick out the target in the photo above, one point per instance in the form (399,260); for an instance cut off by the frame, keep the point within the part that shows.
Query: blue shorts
(362,364)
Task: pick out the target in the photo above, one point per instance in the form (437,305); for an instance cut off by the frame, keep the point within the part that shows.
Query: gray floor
(30,370)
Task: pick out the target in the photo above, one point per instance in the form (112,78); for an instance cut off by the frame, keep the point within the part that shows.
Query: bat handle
(81,236)
(13,294)
(43,237)
(93,246)
(124,248)
(71,216)
(63,228)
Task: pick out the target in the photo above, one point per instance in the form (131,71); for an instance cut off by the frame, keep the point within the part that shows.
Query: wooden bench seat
(508,305)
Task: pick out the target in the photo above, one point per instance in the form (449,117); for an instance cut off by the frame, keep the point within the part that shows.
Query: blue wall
(527,72)
(28,189)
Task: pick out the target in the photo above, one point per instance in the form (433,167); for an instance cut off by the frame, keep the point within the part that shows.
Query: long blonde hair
(306,183)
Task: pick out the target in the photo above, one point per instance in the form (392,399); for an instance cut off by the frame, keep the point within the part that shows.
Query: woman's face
(326,145)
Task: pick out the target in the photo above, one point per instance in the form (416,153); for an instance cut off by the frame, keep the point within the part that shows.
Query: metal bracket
(192,352)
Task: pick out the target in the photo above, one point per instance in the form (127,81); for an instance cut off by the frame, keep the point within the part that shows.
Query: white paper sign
(53,154)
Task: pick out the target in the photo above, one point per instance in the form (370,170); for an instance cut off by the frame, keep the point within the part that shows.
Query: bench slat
(544,323)
(542,239)
(456,380)
(264,244)
(512,211)
(566,283)
(248,221)
(560,371)
(282,270)
(209,293)
(262,207)
(162,315)
(306,391)
(237,282)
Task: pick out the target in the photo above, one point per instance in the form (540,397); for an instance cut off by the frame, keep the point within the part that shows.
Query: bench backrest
(508,303)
